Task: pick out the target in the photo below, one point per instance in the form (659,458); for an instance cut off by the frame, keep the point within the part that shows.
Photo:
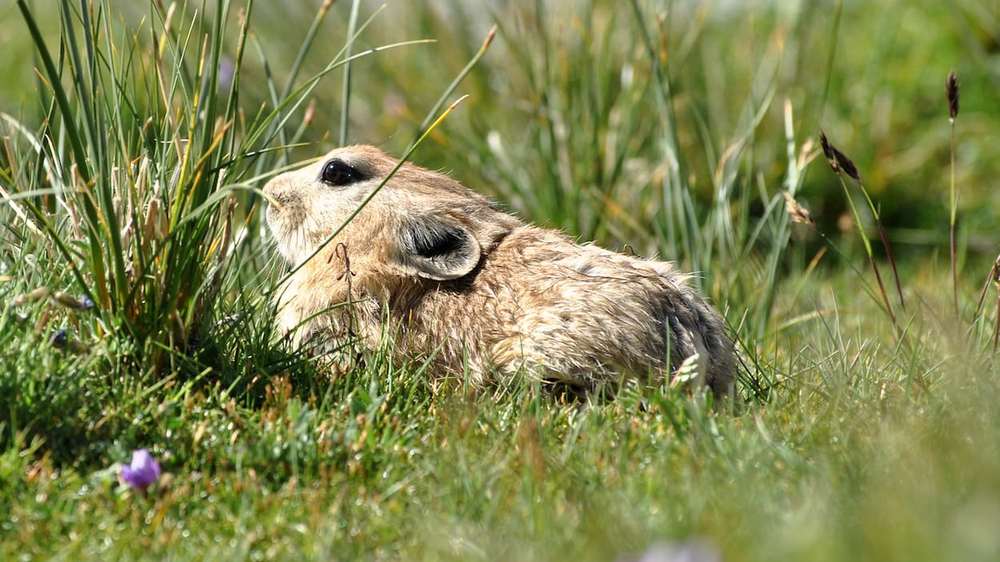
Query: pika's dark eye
(337,172)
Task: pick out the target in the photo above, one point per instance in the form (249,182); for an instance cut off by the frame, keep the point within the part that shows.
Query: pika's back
(472,289)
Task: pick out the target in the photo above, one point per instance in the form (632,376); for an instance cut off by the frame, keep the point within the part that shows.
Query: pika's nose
(277,190)
(272,187)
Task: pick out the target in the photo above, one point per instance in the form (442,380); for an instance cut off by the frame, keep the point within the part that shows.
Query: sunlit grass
(136,281)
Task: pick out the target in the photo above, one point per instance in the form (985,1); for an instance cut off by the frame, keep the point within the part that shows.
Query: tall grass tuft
(144,153)
(135,222)
(149,167)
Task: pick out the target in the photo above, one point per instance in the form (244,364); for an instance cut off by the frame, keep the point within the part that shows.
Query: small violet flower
(227,73)
(143,471)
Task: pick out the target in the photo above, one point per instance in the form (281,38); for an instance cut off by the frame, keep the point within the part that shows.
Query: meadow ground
(136,279)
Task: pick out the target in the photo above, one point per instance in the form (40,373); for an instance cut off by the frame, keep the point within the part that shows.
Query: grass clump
(136,279)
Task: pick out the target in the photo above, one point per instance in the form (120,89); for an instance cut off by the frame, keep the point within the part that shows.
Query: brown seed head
(838,160)
(847,165)
(828,151)
(951,88)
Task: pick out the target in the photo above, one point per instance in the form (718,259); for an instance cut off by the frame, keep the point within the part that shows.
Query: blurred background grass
(874,81)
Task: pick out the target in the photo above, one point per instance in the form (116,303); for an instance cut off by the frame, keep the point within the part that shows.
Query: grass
(136,281)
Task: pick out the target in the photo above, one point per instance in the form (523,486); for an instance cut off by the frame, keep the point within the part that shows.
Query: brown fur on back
(475,290)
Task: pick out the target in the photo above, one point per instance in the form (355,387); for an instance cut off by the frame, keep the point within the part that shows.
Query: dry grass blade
(993,277)
(996,323)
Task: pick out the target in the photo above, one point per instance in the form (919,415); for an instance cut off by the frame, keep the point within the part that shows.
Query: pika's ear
(438,249)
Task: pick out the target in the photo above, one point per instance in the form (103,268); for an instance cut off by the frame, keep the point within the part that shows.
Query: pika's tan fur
(476,290)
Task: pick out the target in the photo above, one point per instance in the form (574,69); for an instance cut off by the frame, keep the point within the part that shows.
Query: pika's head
(417,222)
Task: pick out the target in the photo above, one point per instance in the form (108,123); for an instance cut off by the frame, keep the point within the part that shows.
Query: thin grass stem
(953,200)
(454,83)
(345,107)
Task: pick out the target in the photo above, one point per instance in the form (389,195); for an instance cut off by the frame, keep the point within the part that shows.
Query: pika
(477,292)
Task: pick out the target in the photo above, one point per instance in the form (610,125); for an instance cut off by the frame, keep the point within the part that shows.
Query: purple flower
(227,72)
(143,471)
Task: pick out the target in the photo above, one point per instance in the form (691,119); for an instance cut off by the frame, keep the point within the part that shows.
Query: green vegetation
(136,276)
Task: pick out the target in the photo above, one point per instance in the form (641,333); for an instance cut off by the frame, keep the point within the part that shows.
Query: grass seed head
(838,160)
(796,211)
(828,152)
(951,88)
(847,165)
